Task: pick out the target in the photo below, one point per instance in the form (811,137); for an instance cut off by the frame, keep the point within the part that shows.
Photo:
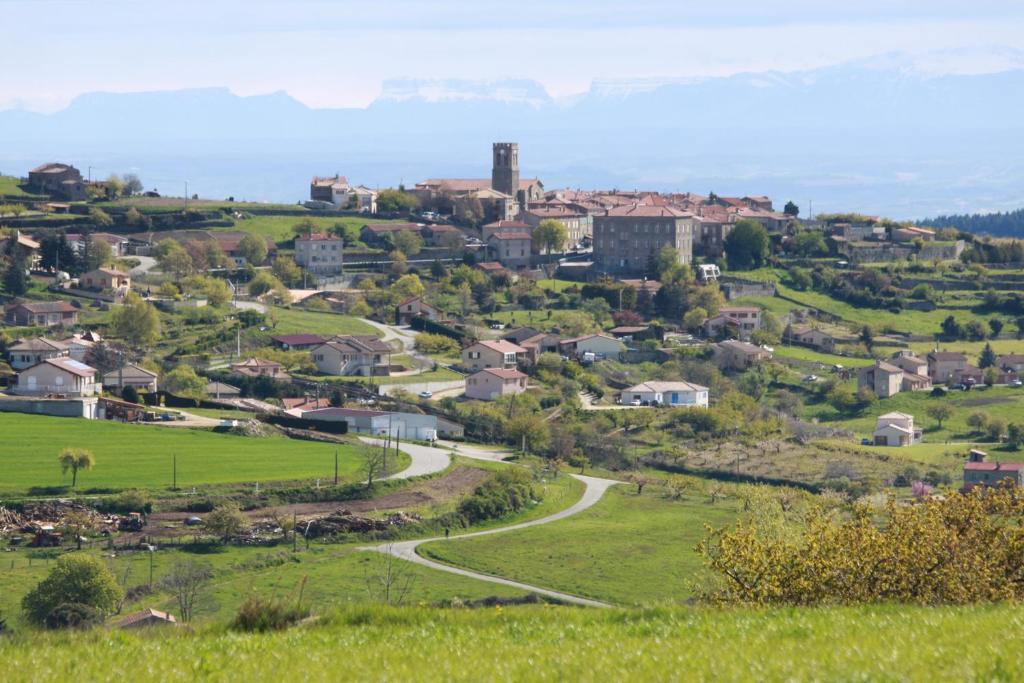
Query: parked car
(193,521)
(425,394)
(1015,383)
(867,442)
(959,387)
(811,378)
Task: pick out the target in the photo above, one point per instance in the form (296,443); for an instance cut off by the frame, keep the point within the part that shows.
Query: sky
(338,54)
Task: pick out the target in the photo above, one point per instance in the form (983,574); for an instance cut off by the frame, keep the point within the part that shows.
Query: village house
(493,228)
(492,383)
(942,365)
(743,320)
(28,352)
(978,471)
(222,390)
(131,375)
(28,249)
(105,279)
(733,354)
(353,356)
(578,226)
(519,334)
(883,379)
(592,347)
(58,376)
(333,190)
(81,345)
(320,253)
(896,429)
(443,235)
(297,342)
(909,234)
(296,405)
(492,354)
(511,249)
(817,337)
(147,618)
(417,308)
(675,394)
(539,343)
(911,363)
(41,314)
(61,181)
(255,367)
(1011,362)
(709,233)
(625,237)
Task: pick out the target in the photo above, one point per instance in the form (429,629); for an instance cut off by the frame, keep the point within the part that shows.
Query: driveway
(406,550)
(146,264)
(249,306)
(425,460)
(587,403)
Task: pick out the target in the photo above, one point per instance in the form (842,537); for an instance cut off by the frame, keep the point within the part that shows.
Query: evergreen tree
(15,280)
(987,358)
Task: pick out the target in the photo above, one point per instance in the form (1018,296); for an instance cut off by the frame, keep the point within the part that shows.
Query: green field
(9,187)
(971,348)
(279,228)
(627,549)
(827,359)
(299,321)
(139,456)
(997,403)
(537,643)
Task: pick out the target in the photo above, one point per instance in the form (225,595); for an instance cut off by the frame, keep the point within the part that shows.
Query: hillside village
(697,345)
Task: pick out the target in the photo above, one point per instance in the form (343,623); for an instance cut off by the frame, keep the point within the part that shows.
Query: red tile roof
(994,466)
(646,211)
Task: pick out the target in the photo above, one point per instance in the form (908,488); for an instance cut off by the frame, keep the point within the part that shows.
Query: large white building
(319,253)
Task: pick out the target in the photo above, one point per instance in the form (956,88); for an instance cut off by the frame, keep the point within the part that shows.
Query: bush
(132,500)
(504,493)
(436,343)
(73,615)
(77,580)
(267,614)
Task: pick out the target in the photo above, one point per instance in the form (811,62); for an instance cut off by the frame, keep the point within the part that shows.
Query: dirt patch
(458,482)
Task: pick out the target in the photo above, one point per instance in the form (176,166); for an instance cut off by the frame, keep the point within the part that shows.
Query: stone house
(577,225)
(743,319)
(978,471)
(492,383)
(147,618)
(625,237)
(61,181)
(63,376)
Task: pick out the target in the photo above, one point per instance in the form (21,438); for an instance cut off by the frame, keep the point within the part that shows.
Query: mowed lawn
(140,456)
(279,228)
(627,549)
(299,321)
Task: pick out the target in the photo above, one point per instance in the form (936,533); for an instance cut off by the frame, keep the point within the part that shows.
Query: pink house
(493,383)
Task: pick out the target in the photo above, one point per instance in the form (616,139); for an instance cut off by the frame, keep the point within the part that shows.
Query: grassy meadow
(299,321)
(539,643)
(627,549)
(140,456)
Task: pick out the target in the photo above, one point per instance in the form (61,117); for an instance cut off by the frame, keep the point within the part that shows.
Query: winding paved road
(425,460)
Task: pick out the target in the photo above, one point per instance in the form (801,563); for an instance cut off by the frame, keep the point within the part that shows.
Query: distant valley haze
(899,108)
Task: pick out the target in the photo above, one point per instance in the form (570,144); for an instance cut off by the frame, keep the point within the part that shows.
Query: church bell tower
(505,168)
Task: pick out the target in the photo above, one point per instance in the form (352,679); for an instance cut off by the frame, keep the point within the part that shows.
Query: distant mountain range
(878,136)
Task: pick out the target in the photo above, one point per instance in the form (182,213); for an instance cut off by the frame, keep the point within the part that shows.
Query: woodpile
(343,521)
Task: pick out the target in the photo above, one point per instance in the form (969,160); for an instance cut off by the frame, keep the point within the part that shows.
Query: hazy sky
(329,53)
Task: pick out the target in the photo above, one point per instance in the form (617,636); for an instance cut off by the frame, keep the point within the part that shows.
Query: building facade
(320,253)
(626,237)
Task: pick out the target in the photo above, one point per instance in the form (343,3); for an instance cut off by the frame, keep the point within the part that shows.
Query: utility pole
(335,466)
(174,471)
(186,195)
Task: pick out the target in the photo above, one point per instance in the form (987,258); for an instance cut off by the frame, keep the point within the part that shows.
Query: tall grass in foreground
(545,643)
